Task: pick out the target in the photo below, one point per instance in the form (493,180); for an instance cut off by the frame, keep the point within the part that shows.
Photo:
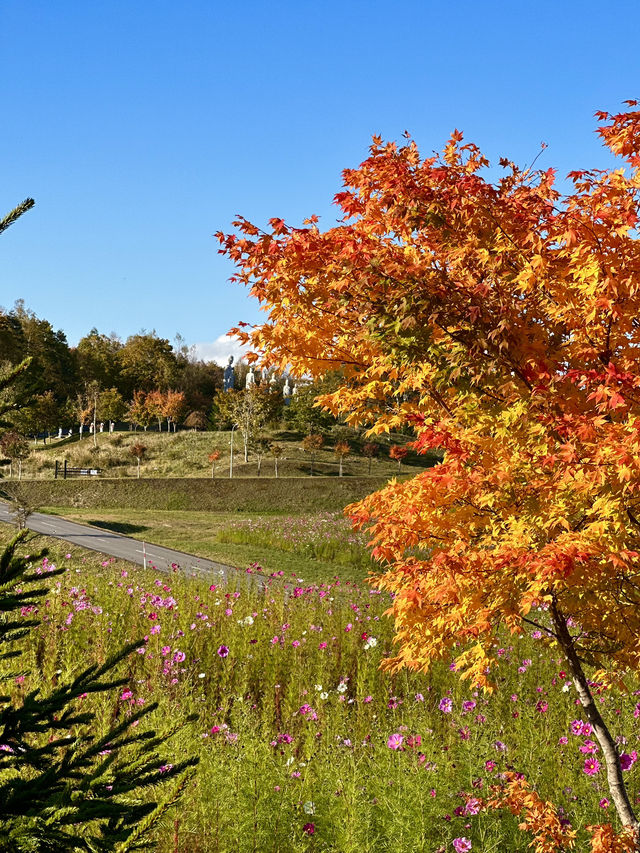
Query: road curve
(115,545)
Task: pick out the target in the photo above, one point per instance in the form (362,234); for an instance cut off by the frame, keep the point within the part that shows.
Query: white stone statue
(250,381)
(286,391)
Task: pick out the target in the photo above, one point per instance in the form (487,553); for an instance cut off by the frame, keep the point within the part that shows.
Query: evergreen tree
(61,787)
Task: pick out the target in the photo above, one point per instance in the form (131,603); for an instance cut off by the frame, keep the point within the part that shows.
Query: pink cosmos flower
(223,651)
(446,705)
(395,741)
(472,807)
(604,803)
(461,845)
(309,828)
(591,766)
(589,747)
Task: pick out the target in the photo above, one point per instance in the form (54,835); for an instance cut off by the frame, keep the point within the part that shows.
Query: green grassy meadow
(314,546)
(305,744)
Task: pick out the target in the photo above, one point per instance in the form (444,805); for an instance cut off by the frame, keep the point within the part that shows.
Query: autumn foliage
(500,321)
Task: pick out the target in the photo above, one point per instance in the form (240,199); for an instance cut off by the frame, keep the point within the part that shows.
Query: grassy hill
(186,454)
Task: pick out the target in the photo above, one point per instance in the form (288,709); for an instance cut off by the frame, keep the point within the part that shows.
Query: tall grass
(305,744)
(322,536)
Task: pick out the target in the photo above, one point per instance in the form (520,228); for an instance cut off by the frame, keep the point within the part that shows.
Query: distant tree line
(102,375)
(144,380)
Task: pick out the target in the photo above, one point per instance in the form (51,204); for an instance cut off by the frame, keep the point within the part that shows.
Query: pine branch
(16,213)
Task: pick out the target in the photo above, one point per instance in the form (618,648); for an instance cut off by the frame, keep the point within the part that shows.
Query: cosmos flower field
(304,743)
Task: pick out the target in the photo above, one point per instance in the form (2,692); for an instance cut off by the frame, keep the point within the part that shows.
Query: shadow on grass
(117,526)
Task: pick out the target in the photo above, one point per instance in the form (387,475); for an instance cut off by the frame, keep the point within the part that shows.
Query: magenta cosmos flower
(591,766)
(627,761)
(223,651)
(446,705)
(461,845)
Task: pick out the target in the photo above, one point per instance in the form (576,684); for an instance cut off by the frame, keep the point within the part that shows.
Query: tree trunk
(276,461)
(19,469)
(212,471)
(615,780)
(259,464)
(340,468)
(138,467)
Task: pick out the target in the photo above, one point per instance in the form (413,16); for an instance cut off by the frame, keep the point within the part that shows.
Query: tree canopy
(500,320)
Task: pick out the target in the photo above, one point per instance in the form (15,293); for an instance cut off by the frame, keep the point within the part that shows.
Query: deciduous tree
(138,451)
(398,452)
(174,408)
(138,414)
(16,448)
(213,458)
(371,451)
(499,320)
(311,444)
(341,450)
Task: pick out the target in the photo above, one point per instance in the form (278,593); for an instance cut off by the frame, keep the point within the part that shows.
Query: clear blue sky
(141,127)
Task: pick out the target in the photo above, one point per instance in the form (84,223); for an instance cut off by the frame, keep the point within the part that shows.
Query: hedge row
(259,495)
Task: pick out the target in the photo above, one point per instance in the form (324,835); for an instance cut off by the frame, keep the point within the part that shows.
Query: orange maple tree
(501,320)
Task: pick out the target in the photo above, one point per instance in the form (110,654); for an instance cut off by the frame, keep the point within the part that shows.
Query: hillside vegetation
(186,454)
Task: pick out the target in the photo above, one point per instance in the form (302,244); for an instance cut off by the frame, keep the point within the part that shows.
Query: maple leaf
(497,323)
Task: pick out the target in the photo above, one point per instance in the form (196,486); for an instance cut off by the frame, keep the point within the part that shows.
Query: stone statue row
(250,381)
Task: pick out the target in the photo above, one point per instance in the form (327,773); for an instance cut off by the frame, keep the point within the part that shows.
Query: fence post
(55,476)
(65,470)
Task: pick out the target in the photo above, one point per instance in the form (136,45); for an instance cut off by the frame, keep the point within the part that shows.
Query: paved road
(115,545)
